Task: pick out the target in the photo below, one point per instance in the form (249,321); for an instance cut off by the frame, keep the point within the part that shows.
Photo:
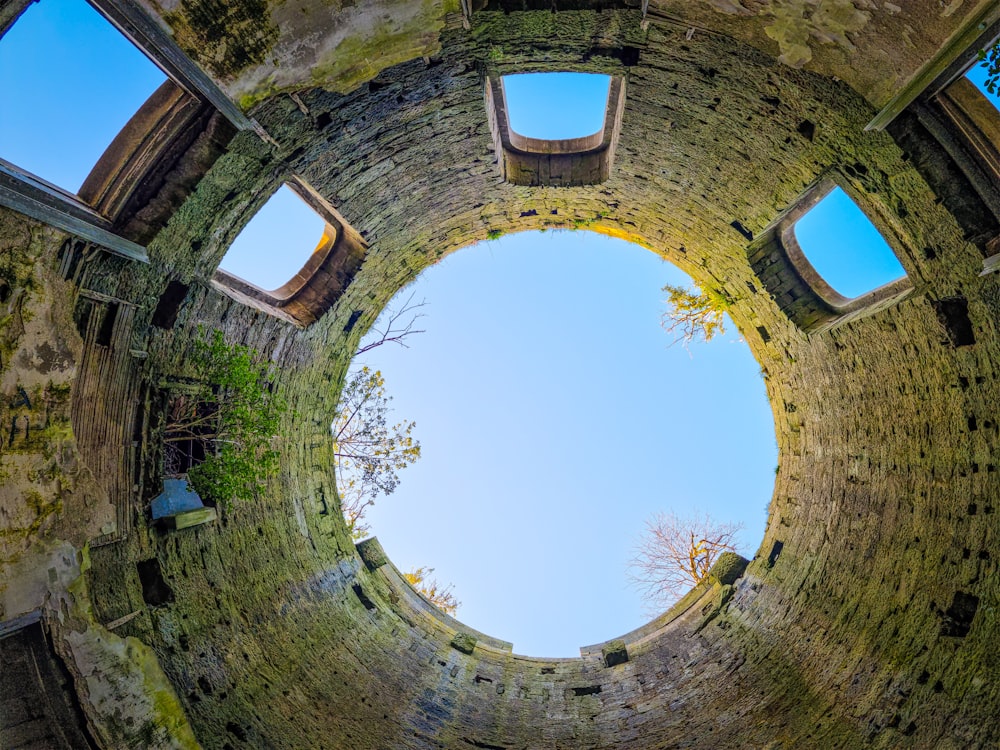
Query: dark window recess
(953,312)
(185,446)
(807,129)
(957,620)
(155,590)
(107,328)
(629,56)
(616,653)
(352,321)
(81,316)
(237,731)
(362,596)
(169,305)
(775,553)
(764,335)
(589,690)
(742,230)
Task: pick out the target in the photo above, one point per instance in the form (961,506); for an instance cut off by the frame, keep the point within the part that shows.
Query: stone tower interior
(868,617)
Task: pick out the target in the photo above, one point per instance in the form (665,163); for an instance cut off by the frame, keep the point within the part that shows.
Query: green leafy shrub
(990,59)
(235,413)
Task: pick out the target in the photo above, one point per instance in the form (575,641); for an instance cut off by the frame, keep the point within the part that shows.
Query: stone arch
(866,618)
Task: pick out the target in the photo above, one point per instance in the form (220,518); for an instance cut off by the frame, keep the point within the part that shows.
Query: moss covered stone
(728,568)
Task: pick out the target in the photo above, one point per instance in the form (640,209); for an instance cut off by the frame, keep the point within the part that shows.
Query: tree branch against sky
(676,553)
(394,329)
(368,450)
(440,596)
(693,315)
(990,60)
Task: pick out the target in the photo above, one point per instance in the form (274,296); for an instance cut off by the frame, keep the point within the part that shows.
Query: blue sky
(70,82)
(276,242)
(554,420)
(578,102)
(845,248)
(554,416)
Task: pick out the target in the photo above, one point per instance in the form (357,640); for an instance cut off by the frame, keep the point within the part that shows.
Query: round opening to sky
(555,419)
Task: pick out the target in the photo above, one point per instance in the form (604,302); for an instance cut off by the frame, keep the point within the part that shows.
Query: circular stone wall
(867,618)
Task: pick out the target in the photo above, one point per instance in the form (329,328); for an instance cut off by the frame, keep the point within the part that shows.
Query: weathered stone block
(614,653)
(463,642)
(728,567)
(372,553)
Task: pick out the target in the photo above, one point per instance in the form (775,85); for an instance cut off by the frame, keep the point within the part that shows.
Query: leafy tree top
(440,596)
(990,59)
(368,449)
(693,315)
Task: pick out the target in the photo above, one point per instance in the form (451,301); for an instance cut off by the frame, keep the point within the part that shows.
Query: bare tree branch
(394,331)
(675,553)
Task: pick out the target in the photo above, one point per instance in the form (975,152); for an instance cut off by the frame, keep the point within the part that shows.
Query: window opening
(844,247)
(278,241)
(71,82)
(191,424)
(556,106)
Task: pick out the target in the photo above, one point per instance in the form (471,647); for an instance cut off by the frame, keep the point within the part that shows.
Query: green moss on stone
(728,567)
(360,58)
(463,642)
(226,36)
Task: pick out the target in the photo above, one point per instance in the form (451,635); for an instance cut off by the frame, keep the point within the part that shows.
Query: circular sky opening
(555,418)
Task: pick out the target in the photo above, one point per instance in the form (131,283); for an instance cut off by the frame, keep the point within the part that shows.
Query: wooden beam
(977,28)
